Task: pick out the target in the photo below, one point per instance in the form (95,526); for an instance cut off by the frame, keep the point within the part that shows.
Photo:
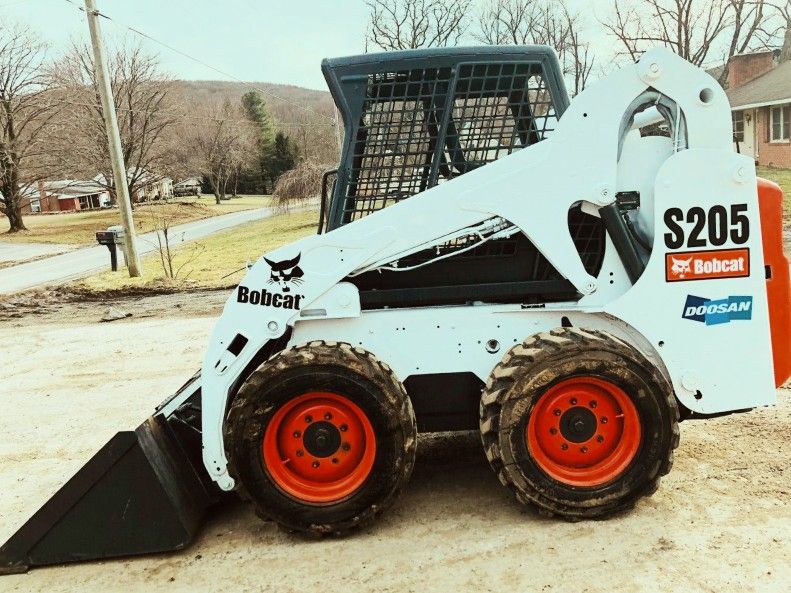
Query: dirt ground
(721,521)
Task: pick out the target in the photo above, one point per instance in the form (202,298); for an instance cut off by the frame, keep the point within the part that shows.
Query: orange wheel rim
(584,432)
(319,447)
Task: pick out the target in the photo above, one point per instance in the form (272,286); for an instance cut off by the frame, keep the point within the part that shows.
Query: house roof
(715,71)
(770,88)
(71,188)
(188,181)
(144,177)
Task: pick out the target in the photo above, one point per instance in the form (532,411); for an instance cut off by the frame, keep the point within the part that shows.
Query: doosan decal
(707,265)
(718,311)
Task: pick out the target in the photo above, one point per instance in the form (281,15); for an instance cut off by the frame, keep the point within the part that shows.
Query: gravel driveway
(720,521)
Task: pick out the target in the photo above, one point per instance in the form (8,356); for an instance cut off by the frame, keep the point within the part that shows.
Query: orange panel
(778,284)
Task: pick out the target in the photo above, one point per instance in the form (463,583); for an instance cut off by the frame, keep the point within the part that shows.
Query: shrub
(297,186)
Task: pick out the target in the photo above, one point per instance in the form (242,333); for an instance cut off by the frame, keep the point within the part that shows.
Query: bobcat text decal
(716,312)
(285,274)
(268,299)
(707,265)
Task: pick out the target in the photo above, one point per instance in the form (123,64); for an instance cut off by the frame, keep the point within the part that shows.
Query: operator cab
(416,119)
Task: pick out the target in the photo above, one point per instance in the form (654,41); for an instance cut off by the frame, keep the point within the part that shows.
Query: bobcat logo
(285,272)
(681,267)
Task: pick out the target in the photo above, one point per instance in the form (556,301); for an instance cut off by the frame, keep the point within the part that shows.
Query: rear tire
(321,438)
(578,423)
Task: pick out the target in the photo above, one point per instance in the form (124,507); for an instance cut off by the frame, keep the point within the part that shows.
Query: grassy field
(214,262)
(782,177)
(79,228)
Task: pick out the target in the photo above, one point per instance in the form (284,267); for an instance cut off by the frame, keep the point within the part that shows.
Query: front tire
(321,438)
(578,423)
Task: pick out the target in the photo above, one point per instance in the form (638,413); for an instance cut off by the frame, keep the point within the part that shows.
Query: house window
(780,119)
(89,202)
(738,126)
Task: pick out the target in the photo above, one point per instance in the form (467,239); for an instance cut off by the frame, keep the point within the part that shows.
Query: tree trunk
(214,182)
(223,186)
(785,53)
(14,214)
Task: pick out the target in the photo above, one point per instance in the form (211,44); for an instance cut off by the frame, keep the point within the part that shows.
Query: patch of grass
(220,262)
(80,227)
(781,177)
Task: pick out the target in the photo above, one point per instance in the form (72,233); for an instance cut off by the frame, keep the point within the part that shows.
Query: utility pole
(114,140)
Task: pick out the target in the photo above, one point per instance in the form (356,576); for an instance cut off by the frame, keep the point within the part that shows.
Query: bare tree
(223,144)
(145,111)
(542,22)
(410,24)
(783,11)
(577,60)
(26,110)
(508,22)
(163,217)
(700,31)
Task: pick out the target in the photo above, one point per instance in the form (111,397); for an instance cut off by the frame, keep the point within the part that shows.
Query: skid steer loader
(571,280)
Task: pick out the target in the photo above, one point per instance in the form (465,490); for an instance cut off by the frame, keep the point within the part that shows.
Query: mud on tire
(540,366)
(364,395)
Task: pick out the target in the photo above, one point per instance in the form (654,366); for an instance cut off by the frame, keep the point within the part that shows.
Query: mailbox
(113,236)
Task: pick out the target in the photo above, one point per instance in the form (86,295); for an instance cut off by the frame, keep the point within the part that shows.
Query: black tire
(333,367)
(544,360)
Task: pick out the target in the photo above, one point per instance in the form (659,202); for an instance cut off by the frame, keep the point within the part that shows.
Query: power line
(179,115)
(331,120)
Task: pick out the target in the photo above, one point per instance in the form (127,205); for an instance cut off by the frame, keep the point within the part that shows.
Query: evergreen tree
(283,157)
(255,109)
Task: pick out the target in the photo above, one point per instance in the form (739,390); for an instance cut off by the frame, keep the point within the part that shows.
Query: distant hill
(304,114)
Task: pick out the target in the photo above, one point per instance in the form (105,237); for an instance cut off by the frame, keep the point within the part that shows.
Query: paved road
(84,262)
(11,252)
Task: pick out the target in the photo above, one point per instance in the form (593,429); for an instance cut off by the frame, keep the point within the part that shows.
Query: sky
(279,41)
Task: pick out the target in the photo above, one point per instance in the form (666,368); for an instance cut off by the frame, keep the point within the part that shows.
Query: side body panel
(720,359)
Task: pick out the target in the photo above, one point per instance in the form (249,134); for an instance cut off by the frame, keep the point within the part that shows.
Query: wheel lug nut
(593,404)
(346,446)
(584,450)
(328,416)
(600,439)
(604,419)
(300,452)
(557,412)
(553,431)
(308,419)
(564,446)
(335,460)
(315,464)
(573,401)
(344,428)
(297,434)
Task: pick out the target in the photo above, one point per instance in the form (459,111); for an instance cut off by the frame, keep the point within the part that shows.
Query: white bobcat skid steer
(577,290)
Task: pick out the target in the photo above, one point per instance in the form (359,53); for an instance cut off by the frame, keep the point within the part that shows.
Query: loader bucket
(145,491)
